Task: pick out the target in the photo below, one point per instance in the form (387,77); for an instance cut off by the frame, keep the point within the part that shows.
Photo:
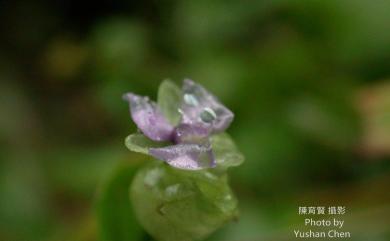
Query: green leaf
(173,204)
(137,142)
(114,211)
(225,151)
(169,100)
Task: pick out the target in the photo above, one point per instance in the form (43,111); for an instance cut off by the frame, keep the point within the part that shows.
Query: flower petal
(137,142)
(185,156)
(185,133)
(169,100)
(225,151)
(149,118)
(200,106)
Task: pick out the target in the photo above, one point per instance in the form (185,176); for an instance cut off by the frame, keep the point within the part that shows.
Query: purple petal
(185,133)
(185,156)
(202,108)
(149,118)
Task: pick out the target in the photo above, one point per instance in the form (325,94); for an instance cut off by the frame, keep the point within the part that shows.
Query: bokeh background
(307,80)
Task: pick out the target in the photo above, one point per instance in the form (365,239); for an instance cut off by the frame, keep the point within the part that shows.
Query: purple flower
(201,115)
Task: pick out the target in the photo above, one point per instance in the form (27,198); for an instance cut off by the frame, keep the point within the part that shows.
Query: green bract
(172,204)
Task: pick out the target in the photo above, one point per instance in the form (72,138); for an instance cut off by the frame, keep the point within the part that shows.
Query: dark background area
(307,80)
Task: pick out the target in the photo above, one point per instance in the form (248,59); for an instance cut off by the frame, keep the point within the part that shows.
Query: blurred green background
(307,80)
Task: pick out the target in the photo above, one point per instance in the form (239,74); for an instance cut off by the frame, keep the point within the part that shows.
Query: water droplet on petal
(208,115)
(190,99)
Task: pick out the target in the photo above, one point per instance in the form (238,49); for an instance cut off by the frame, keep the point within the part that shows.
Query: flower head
(185,142)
